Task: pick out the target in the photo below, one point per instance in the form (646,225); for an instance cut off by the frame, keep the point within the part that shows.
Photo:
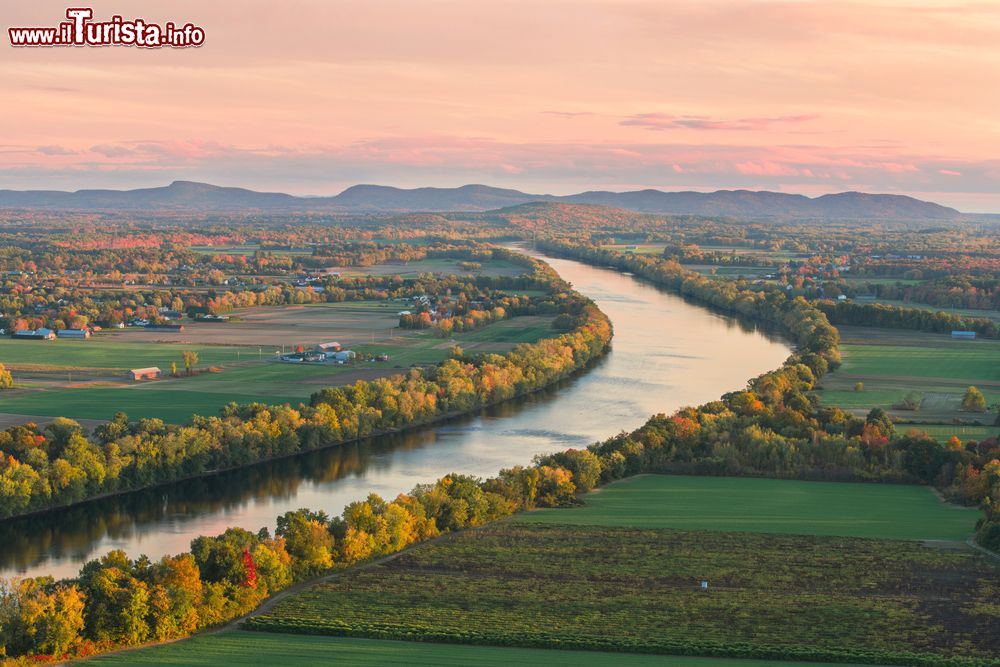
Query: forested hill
(186,195)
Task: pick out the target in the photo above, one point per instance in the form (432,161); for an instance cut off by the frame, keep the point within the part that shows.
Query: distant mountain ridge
(188,195)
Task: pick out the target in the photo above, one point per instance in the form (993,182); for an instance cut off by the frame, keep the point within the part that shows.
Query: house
(73,333)
(137,374)
(963,334)
(35,334)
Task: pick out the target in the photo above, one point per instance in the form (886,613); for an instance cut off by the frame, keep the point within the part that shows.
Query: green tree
(307,539)
(973,401)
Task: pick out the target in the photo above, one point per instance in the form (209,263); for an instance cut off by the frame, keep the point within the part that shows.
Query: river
(666,353)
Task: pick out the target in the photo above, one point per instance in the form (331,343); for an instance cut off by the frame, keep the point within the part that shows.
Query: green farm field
(637,248)
(943,432)
(730,271)
(493,267)
(964,312)
(599,582)
(768,506)
(248,249)
(243,649)
(175,399)
(892,364)
(109,353)
(861,280)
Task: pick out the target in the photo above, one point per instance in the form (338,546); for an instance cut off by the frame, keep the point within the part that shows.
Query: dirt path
(972,543)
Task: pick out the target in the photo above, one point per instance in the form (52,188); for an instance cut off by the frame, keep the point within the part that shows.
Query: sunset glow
(310,97)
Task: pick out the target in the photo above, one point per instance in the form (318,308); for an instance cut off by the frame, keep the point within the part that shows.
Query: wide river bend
(666,353)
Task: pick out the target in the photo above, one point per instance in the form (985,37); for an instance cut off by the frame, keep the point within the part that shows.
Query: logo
(81,30)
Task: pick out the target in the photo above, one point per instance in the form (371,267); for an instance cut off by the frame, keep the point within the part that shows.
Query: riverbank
(666,353)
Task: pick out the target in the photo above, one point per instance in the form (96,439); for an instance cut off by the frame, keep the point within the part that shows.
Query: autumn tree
(190,360)
(973,401)
(53,619)
(6,380)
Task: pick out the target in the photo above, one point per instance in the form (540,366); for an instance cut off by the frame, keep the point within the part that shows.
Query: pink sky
(310,96)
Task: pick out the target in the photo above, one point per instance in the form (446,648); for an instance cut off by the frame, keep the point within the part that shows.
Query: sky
(546,96)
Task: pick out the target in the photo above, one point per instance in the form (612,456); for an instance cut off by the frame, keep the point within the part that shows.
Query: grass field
(108,353)
(637,248)
(943,432)
(768,506)
(243,649)
(963,312)
(49,393)
(493,267)
(894,363)
(861,280)
(248,249)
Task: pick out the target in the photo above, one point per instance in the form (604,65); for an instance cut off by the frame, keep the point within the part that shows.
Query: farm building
(329,347)
(344,356)
(35,334)
(144,373)
(73,333)
(963,334)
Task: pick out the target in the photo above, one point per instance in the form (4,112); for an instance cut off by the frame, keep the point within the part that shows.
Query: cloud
(569,115)
(112,150)
(661,121)
(55,150)
(765,168)
(949,172)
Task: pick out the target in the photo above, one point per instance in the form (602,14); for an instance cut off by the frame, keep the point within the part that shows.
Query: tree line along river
(666,353)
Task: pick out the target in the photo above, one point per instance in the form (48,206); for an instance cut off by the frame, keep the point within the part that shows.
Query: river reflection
(666,353)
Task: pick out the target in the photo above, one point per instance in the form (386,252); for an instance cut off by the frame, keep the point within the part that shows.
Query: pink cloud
(765,169)
(55,150)
(661,121)
(569,115)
